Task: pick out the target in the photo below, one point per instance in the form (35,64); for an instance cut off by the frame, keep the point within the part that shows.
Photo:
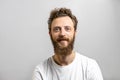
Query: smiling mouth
(59,40)
(63,41)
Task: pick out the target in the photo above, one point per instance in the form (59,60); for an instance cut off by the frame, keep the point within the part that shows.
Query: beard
(63,50)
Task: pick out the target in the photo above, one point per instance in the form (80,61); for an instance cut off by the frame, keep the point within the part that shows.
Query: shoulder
(85,59)
(87,63)
(43,65)
(91,67)
(41,70)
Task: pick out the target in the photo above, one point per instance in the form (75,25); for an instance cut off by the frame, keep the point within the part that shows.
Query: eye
(67,28)
(56,29)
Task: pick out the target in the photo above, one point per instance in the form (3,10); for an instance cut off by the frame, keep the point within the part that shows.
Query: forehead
(62,21)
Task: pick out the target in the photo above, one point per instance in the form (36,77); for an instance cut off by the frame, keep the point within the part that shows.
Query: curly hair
(61,12)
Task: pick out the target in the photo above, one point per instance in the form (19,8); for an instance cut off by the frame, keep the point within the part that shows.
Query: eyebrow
(63,26)
(67,26)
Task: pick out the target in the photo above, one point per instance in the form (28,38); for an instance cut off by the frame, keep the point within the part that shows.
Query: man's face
(62,34)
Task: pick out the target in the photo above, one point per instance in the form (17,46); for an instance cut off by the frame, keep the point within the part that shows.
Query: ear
(49,33)
(75,32)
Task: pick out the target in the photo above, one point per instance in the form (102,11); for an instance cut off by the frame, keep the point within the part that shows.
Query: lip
(59,40)
(63,43)
(62,39)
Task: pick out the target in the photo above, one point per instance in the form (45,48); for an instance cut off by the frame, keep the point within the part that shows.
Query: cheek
(72,36)
(54,36)
(70,33)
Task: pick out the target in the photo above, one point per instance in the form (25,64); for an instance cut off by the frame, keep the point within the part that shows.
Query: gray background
(25,42)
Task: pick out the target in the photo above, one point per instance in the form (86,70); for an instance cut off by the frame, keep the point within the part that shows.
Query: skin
(63,26)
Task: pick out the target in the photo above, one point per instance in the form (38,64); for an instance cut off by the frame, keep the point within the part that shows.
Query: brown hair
(60,12)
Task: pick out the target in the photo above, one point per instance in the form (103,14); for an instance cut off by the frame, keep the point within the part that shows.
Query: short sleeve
(36,74)
(93,71)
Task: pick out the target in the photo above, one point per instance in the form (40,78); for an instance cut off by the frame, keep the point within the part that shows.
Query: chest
(73,73)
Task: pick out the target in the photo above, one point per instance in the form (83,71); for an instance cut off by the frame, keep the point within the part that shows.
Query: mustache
(62,39)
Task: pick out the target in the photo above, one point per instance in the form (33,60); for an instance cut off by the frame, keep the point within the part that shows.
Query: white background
(25,42)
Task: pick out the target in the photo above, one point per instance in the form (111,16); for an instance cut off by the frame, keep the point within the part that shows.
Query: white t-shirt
(82,68)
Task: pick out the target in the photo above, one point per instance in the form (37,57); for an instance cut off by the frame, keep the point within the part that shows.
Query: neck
(64,59)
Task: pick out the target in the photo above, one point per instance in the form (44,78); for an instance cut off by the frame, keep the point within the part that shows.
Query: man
(65,64)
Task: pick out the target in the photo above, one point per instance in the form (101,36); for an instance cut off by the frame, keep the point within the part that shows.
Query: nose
(62,32)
